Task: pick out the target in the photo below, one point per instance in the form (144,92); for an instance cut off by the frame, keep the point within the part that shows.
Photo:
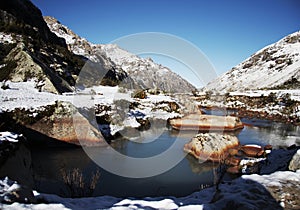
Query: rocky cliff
(29,50)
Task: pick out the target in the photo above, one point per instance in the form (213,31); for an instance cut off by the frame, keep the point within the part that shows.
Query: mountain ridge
(144,72)
(270,67)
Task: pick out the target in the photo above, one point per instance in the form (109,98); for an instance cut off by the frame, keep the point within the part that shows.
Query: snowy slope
(269,67)
(144,72)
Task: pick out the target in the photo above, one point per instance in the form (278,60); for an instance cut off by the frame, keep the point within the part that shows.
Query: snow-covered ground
(295,94)
(25,95)
(270,108)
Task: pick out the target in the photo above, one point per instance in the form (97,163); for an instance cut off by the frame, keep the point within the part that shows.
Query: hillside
(30,51)
(144,72)
(276,66)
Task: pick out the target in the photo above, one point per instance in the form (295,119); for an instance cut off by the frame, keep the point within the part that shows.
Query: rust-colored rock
(253,150)
(233,151)
(233,170)
(67,124)
(211,146)
(268,147)
(207,123)
(232,161)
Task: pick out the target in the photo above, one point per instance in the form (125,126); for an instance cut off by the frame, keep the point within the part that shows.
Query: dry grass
(77,184)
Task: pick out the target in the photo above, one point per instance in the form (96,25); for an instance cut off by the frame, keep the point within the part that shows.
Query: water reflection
(264,132)
(199,168)
(183,179)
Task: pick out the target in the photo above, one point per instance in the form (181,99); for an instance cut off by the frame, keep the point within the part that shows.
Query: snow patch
(9,136)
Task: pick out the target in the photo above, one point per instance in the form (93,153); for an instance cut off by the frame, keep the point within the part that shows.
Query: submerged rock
(207,122)
(211,146)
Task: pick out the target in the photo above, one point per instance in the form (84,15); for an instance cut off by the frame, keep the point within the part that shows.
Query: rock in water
(295,162)
(211,146)
(207,123)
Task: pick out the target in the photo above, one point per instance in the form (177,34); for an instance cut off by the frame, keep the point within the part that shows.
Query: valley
(93,126)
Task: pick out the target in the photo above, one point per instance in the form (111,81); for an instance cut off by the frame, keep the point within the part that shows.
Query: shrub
(271,98)
(141,94)
(76,183)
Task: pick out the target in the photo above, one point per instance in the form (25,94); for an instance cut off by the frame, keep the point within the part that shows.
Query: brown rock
(233,170)
(207,122)
(253,150)
(211,146)
(233,151)
(233,161)
(67,124)
(268,147)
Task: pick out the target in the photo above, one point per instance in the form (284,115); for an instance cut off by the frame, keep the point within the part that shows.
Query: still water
(186,177)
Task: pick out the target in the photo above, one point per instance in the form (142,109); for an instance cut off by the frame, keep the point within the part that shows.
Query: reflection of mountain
(199,168)
(275,134)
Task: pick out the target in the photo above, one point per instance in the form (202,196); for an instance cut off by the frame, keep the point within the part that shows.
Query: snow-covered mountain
(143,72)
(274,66)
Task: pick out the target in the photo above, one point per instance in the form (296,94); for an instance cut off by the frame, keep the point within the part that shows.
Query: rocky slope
(29,50)
(275,66)
(143,72)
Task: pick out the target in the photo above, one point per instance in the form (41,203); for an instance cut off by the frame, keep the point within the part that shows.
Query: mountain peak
(144,72)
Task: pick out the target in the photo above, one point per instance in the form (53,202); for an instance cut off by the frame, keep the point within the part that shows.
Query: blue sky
(226,31)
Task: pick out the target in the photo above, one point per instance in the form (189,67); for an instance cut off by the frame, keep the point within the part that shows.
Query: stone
(294,164)
(211,146)
(64,122)
(233,170)
(232,161)
(207,123)
(252,150)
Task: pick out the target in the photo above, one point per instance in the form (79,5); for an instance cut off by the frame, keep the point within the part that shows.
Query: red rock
(233,161)
(253,150)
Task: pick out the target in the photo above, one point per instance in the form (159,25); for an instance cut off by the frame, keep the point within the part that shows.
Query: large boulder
(61,121)
(68,124)
(211,146)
